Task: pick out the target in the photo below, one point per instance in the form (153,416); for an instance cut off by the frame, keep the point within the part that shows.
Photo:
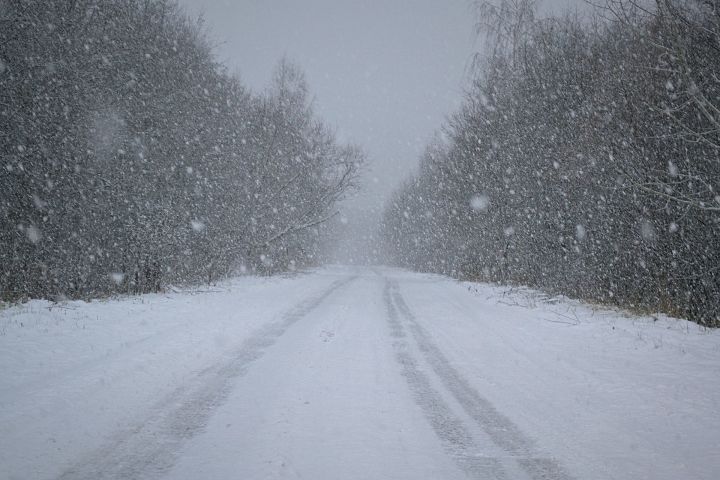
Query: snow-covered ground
(354,373)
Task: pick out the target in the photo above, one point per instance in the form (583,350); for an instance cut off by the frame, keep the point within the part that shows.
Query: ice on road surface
(354,373)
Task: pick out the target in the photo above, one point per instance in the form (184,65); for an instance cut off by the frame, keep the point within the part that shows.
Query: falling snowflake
(647,230)
(33,233)
(580,232)
(38,202)
(480,203)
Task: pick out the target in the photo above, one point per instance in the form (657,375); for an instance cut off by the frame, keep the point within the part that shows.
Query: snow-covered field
(354,373)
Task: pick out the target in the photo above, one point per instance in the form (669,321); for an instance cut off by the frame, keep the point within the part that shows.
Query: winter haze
(385,73)
(359,240)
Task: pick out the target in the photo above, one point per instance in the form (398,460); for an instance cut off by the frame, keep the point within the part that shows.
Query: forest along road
(367,373)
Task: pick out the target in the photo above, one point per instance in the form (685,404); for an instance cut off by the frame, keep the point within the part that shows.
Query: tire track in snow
(457,440)
(149,449)
(503,432)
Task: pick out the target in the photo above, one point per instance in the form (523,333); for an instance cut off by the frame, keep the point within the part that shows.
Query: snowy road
(351,373)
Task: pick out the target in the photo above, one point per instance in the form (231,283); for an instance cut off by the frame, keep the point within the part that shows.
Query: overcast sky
(384,73)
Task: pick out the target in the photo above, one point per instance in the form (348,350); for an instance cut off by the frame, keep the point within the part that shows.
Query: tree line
(130,158)
(585,160)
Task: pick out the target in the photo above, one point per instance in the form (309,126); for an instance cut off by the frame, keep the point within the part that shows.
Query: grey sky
(384,73)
